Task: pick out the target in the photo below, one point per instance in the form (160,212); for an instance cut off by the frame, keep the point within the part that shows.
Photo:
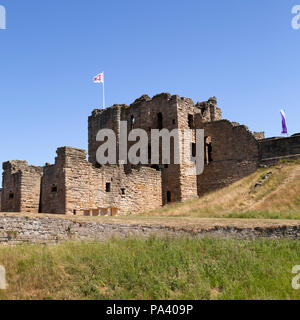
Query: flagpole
(103,92)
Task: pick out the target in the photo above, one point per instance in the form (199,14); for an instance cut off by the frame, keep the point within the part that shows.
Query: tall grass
(167,268)
(278,197)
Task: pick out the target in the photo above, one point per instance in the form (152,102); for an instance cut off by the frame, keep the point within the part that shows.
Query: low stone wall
(279,147)
(274,161)
(14,229)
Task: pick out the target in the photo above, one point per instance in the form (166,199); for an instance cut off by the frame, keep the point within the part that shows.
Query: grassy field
(278,197)
(152,269)
(181,268)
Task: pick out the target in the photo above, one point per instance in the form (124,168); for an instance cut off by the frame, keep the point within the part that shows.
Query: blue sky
(244,52)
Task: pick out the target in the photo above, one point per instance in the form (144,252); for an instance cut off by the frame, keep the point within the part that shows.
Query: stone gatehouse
(74,185)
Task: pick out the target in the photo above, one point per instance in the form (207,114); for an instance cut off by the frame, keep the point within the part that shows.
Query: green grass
(181,268)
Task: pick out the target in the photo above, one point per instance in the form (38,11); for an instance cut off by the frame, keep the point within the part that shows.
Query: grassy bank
(152,269)
(276,197)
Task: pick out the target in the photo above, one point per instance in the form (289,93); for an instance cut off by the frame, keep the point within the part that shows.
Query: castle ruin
(74,185)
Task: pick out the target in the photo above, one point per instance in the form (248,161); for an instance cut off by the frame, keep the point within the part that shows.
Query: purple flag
(284,126)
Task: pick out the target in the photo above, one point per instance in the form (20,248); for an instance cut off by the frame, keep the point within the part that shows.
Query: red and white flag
(99,78)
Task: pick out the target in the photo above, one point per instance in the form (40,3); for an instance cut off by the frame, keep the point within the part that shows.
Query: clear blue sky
(243,52)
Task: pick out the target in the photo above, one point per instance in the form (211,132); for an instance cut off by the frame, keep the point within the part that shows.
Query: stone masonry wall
(235,154)
(102,119)
(85,187)
(21,187)
(30,189)
(145,112)
(259,135)
(188,182)
(11,181)
(73,185)
(53,189)
(19,229)
(279,147)
(162,111)
(209,110)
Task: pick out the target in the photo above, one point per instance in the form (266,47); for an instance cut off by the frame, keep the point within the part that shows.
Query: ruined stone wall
(279,147)
(43,229)
(53,189)
(102,119)
(85,187)
(209,110)
(21,187)
(162,111)
(11,182)
(30,189)
(235,154)
(73,184)
(259,135)
(186,121)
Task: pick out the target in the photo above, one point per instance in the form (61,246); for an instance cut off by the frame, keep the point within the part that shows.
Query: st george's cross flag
(99,78)
(283,119)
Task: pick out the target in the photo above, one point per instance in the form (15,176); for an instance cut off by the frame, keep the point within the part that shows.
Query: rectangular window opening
(191,121)
(108,187)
